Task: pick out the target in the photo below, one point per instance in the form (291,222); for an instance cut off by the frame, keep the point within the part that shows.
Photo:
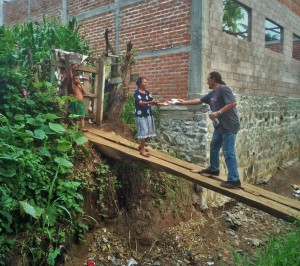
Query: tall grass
(283,251)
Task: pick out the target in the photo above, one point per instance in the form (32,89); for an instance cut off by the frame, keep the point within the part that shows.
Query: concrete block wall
(248,67)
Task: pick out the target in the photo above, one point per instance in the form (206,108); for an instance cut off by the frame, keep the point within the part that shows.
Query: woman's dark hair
(139,81)
(216,76)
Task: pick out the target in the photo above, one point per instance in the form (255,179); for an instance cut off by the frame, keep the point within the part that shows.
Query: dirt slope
(151,235)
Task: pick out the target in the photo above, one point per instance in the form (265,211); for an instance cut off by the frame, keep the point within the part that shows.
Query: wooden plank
(118,139)
(89,58)
(246,186)
(80,67)
(295,204)
(119,152)
(89,95)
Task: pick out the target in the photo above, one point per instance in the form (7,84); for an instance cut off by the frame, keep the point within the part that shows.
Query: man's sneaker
(208,172)
(231,184)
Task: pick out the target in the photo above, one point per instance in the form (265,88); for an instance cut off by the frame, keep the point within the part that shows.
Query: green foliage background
(38,199)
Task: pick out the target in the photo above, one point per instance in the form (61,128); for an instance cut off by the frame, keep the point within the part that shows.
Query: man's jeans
(227,141)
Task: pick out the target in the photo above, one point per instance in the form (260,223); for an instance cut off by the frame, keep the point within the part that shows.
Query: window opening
(236,19)
(273,36)
(296,47)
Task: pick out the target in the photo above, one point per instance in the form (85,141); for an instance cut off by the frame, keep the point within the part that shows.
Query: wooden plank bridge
(116,147)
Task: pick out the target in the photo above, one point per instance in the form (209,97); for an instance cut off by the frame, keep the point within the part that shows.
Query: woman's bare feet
(144,153)
(146,150)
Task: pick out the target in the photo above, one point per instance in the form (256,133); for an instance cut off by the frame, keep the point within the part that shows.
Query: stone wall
(269,135)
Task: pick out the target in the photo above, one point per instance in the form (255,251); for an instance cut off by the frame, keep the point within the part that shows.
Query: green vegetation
(40,191)
(40,203)
(107,184)
(170,189)
(36,40)
(127,113)
(283,251)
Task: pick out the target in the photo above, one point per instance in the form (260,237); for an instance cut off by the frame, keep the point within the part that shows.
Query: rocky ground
(211,237)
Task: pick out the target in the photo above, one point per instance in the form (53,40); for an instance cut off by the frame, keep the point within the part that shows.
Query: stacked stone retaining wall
(269,135)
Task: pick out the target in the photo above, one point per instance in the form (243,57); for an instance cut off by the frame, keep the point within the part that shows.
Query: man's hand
(213,115)
(181,102)
(189,102)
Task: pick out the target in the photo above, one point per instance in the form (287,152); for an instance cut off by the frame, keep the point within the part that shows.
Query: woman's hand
(163,104)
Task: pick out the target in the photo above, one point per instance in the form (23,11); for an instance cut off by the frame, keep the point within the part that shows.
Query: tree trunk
(121,93)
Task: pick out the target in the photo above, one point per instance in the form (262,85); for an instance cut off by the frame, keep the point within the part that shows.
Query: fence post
(100,90)
(52,75)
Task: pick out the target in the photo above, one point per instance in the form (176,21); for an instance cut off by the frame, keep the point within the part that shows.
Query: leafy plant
(127,113)
(167,188)
(27,187)
(38,199)
(36,40)
(107,184)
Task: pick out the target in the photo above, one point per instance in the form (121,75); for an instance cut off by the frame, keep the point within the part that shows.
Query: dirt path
(281,183)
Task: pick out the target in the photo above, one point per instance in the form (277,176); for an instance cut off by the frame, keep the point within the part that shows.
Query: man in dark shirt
(222,105)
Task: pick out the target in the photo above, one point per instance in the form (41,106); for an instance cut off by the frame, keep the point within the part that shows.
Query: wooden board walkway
(116,147)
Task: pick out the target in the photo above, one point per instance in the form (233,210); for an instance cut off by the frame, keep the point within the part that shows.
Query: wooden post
(52,75)
(68,76)
(100,91)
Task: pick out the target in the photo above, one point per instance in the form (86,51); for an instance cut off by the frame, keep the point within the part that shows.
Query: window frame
(248,10)
(297,36)
(281,42)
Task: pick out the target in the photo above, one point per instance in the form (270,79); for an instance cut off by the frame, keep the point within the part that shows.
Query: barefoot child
(77,107)
(143,113)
